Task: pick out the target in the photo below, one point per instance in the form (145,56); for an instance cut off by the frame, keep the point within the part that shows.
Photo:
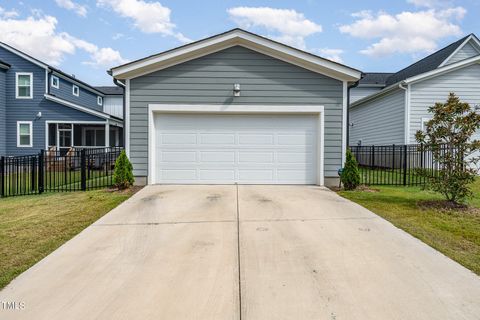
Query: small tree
(123,172)
(448,136)
(350,176)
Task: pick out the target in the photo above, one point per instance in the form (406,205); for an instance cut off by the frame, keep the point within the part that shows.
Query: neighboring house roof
(4,65)
(428,63)
(46,66)
(229,39)
(110,90)
(375,79)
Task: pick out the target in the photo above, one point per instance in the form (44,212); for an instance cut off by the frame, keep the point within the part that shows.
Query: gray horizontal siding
(358,93)
(464,82)
(264,80)
(379,121)
(468,51)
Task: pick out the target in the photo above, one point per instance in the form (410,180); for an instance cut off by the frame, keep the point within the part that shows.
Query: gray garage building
(235,108)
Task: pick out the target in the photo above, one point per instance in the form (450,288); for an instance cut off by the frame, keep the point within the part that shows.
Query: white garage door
(225,149)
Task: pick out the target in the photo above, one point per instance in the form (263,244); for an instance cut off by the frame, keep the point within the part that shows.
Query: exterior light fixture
(39,114)
(236,90)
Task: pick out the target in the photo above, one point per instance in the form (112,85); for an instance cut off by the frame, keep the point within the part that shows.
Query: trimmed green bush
(350,176)
(123,173)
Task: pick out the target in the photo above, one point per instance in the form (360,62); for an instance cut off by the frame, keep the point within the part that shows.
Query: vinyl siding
(264,80)
(379,121)
(85,98)
(3,112)
(113,105)
(464,82)
(468,51)
(358,93)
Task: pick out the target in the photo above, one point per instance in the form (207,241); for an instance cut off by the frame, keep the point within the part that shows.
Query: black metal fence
(395,164)
(57,171)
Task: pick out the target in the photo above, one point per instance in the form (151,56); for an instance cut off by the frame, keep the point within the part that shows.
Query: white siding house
(394,114)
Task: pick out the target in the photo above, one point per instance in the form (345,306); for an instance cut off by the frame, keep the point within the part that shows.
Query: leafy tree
(448,136)
(350,176)
(123,172)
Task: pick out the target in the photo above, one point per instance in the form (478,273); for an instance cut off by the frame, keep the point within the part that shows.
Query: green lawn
(455,233)
(33,226)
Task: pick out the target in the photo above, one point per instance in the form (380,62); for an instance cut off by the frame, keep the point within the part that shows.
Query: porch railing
(56,171)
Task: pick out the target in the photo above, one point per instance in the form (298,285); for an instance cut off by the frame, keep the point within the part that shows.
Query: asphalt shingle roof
(428,63)
(371,78)
(110,90)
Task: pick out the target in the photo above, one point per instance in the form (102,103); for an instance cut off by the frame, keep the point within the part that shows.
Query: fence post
(2,173)
(372,160)
(393,157)
(33,167)
(405,165)
(41,171)
(83,170)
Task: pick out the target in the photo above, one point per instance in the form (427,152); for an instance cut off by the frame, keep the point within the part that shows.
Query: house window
(75,91)
(99,101)
(55,82)
(24,85)
(24,134)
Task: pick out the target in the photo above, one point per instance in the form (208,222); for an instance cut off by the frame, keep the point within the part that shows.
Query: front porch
(64,136)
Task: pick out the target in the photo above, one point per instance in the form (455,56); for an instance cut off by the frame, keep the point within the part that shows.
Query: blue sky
(87,37)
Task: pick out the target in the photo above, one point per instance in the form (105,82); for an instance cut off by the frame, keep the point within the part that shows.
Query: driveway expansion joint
(160,223)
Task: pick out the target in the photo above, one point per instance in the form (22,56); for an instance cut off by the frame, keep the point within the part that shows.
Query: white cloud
(118,36)
(79,9)
(406,32)
(331,54)
(290,26)
(148,17)
(38,37)
(5,14)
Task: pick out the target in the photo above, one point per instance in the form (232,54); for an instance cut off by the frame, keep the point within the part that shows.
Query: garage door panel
(217,156)
(220,138)
(178,156)
(214,148)
(256,139)
(217,175)
(256,157)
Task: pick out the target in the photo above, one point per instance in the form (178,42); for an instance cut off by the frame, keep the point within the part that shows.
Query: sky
(88,37)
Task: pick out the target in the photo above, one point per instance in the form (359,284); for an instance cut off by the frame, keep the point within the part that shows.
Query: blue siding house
(42,107)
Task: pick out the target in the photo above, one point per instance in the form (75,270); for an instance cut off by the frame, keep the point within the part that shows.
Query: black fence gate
(57,171)
(395,164)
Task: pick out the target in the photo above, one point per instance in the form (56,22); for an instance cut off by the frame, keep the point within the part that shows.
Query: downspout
(354,85)
(406,127)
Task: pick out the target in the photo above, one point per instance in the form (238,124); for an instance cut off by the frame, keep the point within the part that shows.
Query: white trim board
(30,123)
(470,38)
(230,39)
(236,109)
(17,74)
(344,122)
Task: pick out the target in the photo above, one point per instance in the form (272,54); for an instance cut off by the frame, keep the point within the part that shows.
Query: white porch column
(107,134)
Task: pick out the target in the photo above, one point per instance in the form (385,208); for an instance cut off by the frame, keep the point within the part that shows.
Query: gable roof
(48,67)
(110,90)
(428,63)
(229,39)
(375,79)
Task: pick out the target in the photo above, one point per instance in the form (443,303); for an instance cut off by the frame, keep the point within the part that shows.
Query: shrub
(123,172)
(448,136)
(350,176)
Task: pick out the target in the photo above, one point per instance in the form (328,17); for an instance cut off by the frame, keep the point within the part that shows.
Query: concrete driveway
(256,252)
